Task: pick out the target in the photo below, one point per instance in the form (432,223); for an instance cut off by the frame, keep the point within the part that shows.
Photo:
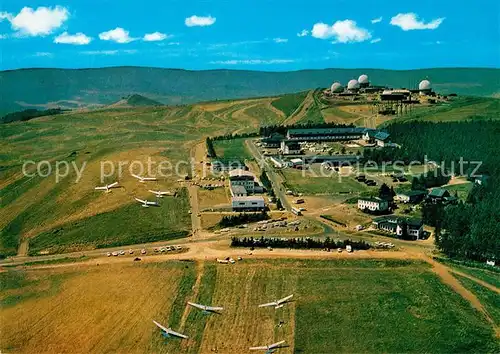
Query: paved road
(279,191)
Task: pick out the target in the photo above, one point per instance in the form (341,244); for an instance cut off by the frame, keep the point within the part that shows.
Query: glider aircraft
(167,332)
(277,303)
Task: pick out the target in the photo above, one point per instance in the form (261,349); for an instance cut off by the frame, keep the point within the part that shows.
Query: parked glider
(146,203)
(271,348)
(206,308)
(107,187)
(167,332)
(160,194)
(144,179)
(277,303)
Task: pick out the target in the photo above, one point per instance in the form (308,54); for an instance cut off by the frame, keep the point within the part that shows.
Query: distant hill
(72,88)
(136,100)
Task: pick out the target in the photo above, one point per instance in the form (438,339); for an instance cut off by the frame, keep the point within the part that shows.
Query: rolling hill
(75,88)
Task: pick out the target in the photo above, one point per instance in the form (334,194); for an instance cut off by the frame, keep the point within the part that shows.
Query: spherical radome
(353,84)
(363,79)
(336,87)
(424,85)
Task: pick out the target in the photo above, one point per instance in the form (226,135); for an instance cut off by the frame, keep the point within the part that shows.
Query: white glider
(277,303)
(160,194)
(144,179)
(146,203)
(269,348)
(169,332)
(107,187)
(206,308)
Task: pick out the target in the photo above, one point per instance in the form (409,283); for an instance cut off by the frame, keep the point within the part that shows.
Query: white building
(246,179)
(373,204)
(253,203)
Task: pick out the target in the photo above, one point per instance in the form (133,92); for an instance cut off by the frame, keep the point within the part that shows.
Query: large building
(290,147)
(413,228)
(373,204)
(252,203)
(273,141)
(325,134)
(246,179)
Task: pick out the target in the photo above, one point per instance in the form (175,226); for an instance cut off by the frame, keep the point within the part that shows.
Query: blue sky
(257,35)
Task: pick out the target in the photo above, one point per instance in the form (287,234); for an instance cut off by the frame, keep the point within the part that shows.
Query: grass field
(34,210)
(489,299)
(303,182)
(348,305)
(99,309)
(231,149)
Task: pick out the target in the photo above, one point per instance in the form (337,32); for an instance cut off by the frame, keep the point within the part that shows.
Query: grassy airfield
(338,305)
(39,215)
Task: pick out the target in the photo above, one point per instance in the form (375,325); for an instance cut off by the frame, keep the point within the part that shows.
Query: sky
(272,35)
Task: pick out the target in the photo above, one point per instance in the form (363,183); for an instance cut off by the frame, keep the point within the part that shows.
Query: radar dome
(363,79)
(424,85)
(353,85)
(336,87)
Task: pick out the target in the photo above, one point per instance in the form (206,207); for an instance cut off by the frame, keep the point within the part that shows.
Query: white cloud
(377,20)
(376,40)
(3,36)
(100,52)
(200,21)
(343,31)
(303,33)
(118,35)
(253,61)
(155,37)
(43,54)
(410,21)
(109,52)
(77,39)
(280,40)
(39,22)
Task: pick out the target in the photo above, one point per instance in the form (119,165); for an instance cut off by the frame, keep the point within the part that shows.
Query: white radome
(363,79)
(353,85)
(424,85)
(336,87)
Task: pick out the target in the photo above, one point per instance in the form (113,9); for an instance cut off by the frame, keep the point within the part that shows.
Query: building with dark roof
(325,134)
(411,197)
(382,138)
(273,141)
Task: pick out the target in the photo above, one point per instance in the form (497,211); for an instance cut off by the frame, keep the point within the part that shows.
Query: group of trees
(435,178)
(236,136)
(297,243)
(242,218)
(28,114)
(210,148)
(470,229)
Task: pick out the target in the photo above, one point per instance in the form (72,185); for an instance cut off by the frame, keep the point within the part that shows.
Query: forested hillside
(466,230)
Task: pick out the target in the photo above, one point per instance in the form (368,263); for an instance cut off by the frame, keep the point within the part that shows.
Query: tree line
(297,243)
(242,218)
(28,114)
(468,229)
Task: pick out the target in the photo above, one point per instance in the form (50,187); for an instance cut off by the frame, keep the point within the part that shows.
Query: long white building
(249,203)
(373,204)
